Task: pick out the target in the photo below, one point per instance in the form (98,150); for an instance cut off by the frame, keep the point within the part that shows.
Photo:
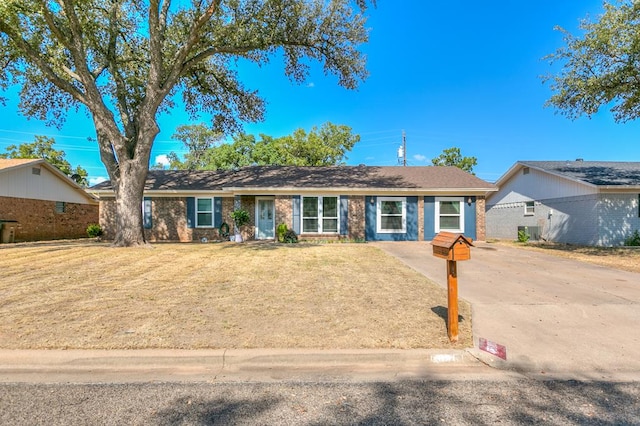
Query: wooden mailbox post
(452,247)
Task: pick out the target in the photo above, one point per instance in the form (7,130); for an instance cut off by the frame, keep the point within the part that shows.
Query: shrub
(633,239)
(523,236)
(94,230)
(280,231)
(290,237)
(240,217)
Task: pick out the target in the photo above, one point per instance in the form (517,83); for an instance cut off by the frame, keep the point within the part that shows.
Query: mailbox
(450,246)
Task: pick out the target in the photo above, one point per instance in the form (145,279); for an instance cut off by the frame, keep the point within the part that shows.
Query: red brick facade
(169,219)
(40,220)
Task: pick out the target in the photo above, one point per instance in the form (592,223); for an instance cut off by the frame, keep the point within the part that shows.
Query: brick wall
(356,217)
(38,219)
(481,225)
(169,220)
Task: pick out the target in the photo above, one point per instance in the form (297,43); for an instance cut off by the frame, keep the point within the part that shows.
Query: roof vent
(579,160)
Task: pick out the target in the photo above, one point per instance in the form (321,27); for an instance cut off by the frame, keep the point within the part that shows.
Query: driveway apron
(556,317)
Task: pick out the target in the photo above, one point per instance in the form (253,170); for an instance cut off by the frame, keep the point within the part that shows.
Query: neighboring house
(350,202)
(39,202)
(578,202)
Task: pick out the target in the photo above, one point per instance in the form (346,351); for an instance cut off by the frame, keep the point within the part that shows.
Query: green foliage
(240,217)
(324,146)
(453,157)
(42,147)
(198,139)
(523,236)
(600,67)
(281,230)
(290,237)
(633,240)
(94,230)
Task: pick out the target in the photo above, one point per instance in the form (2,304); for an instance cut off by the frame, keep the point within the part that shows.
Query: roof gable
(7,165)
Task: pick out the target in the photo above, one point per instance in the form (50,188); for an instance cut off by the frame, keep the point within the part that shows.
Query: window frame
(438,215)
(197,212)
(61,207)
(379,215)
(527,205)
(320,217)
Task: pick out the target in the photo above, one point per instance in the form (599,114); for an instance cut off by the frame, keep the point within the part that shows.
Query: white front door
(265,224)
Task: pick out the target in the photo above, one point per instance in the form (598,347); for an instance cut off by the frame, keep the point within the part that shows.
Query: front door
(265,226)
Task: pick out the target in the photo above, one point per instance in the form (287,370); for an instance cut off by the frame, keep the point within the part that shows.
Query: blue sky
(463,74)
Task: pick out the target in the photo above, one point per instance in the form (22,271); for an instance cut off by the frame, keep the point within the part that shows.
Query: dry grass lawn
(624,258)
(225,295)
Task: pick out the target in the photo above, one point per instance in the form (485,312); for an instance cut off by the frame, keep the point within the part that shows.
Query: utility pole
(404,149)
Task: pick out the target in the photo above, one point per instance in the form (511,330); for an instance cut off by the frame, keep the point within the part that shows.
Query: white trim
(379,229)
(320,216)
(461,215)
(533,204)
(212,211)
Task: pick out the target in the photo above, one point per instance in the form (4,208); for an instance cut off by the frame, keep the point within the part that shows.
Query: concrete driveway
(556,317)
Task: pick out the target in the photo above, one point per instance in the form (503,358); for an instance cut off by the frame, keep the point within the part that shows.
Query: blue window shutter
(429,218)
(344,215)
(296,214)
(191,212)
(147,218)
(217,211)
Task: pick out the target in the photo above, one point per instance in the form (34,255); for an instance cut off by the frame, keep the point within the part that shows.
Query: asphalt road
(488,402)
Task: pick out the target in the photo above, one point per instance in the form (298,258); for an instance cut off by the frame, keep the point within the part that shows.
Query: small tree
(452,157)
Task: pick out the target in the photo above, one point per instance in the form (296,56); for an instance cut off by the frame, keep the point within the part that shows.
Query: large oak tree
(127,61)
(601,66)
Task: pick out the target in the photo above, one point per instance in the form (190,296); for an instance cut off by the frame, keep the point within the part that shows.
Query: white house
(577,202)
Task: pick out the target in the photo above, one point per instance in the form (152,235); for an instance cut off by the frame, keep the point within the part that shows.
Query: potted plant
(240,218)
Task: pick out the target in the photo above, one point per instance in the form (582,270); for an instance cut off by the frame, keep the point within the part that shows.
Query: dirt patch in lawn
(225,295)
(624,258)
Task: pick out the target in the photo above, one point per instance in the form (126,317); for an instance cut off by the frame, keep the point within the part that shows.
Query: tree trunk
(129,195)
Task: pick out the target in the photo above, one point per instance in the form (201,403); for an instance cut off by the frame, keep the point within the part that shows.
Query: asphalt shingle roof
(351,177)
(601,173)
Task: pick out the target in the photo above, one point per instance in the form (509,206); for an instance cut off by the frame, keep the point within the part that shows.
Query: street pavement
(556,317)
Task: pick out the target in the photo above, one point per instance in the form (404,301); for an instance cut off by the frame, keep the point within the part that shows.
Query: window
(392,215)
(204,212)
(146,213)
(320,215)
(529,208)
(60,206)
(449,214)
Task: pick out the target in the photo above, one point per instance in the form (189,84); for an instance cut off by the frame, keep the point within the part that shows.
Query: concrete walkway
(556,317)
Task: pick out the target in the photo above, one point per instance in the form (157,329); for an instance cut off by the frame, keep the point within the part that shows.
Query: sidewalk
(556,317)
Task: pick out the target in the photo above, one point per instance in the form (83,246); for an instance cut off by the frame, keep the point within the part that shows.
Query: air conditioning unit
(532,231)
